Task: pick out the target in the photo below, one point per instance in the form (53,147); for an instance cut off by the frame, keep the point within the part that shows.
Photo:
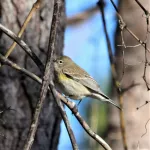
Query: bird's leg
(66,98)
(79,102)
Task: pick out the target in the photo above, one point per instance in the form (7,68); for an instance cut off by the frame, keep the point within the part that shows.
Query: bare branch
(145,68)
(46,81)
(123,25)
(145,127)
(36,5)
(68,103)
(114,75)
(65,118)
(146,102)
(24,46)
(145,11)
(129,46)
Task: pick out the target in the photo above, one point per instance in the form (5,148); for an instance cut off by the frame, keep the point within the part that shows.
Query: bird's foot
(79,102)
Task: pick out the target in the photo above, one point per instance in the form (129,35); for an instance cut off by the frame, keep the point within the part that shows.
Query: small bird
(76,83)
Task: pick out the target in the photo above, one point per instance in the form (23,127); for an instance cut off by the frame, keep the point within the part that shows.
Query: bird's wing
(79,75)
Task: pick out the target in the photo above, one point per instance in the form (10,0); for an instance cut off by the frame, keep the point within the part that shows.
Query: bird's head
(62,62)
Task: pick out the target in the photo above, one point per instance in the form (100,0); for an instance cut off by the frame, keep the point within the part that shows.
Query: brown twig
(145,69)
(46,81)
(123,25)
(33,76)
(46,77)
(145,43)
(130,46)
(145,11)
(51,48)
(23,45)
(146,60)
(6,61)
(138,145)
(114,76)
(30,53)
(123,62)
(145,128)
(69,104)
(146,102)
(65,118)
(36,5)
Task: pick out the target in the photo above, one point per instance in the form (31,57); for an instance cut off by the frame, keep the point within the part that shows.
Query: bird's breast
(70,87)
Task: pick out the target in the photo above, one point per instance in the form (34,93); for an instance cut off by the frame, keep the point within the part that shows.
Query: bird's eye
(60,61)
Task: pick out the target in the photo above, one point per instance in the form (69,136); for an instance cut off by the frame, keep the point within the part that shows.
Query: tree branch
(123,25)
(24,46)
(114,75)
(69,104)
(36,5)
(46,81)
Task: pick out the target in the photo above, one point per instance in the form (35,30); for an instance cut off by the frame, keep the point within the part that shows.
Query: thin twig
(114,75)
(147,14)
(138,145)
(46,81)
(51,49)
(124,25)
(129,46)
(146,102)
(6,61)
(65,118)
(123,62)
(83,123)
(145,11)
(69,104)
(145,69)
(145,128)
(24,46)
(36,5)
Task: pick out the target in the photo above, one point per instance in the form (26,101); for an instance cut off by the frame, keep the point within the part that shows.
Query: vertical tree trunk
(135,120)
(18,91)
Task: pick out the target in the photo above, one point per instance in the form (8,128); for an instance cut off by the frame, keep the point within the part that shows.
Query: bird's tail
(103,97)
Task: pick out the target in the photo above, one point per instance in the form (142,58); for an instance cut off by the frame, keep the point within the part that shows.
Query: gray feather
(82,77)
(103,97)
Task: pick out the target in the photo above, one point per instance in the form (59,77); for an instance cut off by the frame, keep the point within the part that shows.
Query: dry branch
(36,5)
(114,75)
(46,81)
(46,77)
(23,45)
(123,25)
(69,104)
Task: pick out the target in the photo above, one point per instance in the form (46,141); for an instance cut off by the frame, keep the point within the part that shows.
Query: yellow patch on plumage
(62,77)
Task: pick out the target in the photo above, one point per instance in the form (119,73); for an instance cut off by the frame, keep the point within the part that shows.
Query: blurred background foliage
(85,43)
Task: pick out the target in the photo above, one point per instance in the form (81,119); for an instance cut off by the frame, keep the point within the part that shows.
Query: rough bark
(18,91)
(135,120)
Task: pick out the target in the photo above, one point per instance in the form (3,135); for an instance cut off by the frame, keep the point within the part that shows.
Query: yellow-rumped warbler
(76,83)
